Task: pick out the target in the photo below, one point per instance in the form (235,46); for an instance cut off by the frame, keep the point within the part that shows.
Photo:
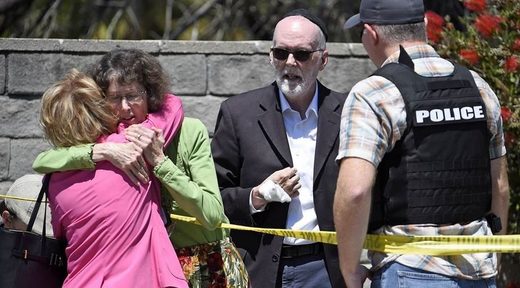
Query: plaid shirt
(374,119)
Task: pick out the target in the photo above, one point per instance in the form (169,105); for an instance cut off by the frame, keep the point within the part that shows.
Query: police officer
(421,153)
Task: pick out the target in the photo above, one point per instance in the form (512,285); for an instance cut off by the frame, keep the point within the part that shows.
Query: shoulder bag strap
(43,190)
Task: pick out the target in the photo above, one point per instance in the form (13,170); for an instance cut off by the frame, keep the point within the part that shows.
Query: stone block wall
(203,74)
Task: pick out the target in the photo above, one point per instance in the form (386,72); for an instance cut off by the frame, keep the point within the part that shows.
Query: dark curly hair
(133,65)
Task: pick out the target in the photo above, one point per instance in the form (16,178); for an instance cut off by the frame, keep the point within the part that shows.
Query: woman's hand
(151,141)
(125,156)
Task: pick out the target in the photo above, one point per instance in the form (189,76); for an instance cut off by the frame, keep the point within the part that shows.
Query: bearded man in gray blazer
(278,144)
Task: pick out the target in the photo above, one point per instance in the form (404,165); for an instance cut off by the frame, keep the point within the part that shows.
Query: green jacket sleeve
(64,159)
(191,180)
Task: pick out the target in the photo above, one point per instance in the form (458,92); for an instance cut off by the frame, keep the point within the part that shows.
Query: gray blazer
(249,144)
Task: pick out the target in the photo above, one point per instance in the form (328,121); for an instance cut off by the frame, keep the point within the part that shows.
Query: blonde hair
(74,111)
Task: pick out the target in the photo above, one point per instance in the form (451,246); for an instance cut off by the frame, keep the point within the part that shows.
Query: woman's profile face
(128,101)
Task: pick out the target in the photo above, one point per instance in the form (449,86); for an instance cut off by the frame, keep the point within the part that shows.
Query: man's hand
(287,178)
(356,279)
(151,141)
(125,156)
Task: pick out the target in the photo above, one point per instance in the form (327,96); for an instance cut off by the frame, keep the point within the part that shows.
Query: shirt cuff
(158,166)
(369,156)
(166,167)
(252,209)
(79,156)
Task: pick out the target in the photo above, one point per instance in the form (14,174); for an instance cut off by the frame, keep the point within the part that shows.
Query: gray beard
(287,91)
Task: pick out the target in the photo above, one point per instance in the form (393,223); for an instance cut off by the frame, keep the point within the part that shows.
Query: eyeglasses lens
(300,55)
(130,98)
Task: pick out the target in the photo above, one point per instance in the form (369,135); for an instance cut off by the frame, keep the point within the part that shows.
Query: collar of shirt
(424,56)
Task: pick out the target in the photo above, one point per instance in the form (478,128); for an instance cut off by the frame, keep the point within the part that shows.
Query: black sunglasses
(299,55)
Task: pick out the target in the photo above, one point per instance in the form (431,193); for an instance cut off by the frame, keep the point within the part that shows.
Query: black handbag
(31,260)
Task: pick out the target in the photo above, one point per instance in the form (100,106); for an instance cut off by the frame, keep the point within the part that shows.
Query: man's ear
(372,34)
(324,59)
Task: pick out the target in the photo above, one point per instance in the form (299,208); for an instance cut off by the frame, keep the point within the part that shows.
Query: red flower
(516,44)
(506,113)
(475,5)
(434,26)
(469,55)
(434,19)
(511,64)
(487,24)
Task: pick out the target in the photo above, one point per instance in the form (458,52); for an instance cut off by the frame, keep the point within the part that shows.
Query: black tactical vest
(439,171)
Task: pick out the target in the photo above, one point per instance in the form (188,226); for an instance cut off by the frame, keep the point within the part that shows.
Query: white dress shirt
(301,135)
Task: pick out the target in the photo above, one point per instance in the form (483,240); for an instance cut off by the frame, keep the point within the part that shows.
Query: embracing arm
(196,193)
(64,159)
(125,156)
(351,214)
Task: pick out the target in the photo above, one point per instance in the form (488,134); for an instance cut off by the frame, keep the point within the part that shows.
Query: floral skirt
(216,264)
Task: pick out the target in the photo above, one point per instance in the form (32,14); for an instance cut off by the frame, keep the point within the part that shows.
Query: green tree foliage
(165,19)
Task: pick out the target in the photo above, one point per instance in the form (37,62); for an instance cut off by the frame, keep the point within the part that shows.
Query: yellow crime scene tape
(424,245)
(396,244)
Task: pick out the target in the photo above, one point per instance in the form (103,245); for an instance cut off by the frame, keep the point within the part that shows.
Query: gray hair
(322,43)
(397,34)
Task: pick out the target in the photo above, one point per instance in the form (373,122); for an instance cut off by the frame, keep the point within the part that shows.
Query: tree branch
(168,19)
(113,22)
(199,13)
(44,19)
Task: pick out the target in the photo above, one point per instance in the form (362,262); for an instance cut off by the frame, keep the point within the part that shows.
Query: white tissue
(273,192)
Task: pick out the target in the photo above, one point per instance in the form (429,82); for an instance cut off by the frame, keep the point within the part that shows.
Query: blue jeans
(305,271)
(398,275)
